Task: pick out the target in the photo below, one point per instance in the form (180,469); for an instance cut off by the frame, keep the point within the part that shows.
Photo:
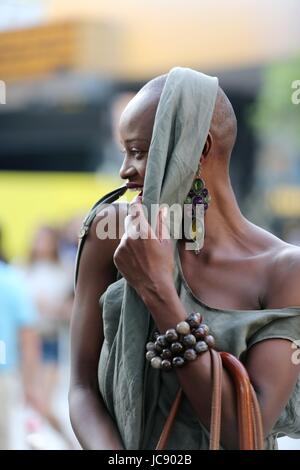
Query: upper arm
(273,374)
(269,362)
(96,272)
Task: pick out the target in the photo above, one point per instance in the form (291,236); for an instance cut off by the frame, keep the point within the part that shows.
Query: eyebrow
(128,141)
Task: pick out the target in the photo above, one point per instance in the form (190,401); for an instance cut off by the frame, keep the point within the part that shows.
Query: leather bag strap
(249,415)
(248,410)
(244,407)
(169,422)
(257,420)
(216,400)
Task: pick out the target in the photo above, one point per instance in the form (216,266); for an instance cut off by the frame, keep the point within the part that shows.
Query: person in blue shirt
(19,346)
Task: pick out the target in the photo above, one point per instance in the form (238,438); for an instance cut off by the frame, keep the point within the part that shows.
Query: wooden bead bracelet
(179,345)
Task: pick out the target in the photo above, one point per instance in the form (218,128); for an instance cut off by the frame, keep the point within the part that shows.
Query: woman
(50,286)
(243,282)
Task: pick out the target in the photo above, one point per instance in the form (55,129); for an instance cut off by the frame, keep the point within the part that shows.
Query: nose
(127,170)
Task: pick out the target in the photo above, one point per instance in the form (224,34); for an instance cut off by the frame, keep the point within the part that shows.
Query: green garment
(137,396)
(181,126)
(234,330)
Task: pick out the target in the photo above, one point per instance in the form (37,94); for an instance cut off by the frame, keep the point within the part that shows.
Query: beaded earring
(198,198)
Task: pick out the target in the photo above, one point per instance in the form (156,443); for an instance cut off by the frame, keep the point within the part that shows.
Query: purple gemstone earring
(198,196)
(198,193)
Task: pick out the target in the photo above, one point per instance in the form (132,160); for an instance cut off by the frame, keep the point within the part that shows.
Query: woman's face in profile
(135,128)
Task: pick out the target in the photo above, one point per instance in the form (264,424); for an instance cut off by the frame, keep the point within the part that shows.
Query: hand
(143,257)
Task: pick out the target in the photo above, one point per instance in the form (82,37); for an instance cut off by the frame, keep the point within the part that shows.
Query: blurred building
(67,64)
(62,80)
(63,73)
(57,112)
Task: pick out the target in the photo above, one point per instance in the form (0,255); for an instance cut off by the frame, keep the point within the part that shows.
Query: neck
(224,221)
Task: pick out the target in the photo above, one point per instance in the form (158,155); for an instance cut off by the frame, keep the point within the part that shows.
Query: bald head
(223,124)
(155,86)
(138,118)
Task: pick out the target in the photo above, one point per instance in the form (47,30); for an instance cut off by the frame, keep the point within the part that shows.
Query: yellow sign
(37,51)
(285,201)
(29,200)
(49,49)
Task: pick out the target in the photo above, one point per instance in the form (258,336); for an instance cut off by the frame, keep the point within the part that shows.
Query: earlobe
(208,145)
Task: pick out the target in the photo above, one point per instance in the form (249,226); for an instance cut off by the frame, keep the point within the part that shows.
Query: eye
(134,152)
(137,153)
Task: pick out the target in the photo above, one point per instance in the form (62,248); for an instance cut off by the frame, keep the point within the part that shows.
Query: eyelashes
(135,153)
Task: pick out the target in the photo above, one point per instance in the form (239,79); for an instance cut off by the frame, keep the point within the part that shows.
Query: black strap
(107,199)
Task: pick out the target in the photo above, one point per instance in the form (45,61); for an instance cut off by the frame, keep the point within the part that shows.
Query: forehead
(137,119)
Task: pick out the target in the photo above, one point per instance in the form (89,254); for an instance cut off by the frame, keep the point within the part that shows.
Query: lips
(131,185)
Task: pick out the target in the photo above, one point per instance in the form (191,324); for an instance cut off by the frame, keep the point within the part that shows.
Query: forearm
(90,420)
(195,377)
(30,362)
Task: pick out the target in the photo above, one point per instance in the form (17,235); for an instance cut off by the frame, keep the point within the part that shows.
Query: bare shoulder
(109,222)
(286,264)
(101,242)
(279,268)
(284,276)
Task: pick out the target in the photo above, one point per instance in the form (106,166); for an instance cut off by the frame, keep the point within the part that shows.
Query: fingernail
(164,212)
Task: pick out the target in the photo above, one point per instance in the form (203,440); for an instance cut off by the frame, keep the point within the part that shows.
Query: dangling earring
(198,198)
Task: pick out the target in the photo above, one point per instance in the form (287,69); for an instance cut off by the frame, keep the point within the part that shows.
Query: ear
(207,146)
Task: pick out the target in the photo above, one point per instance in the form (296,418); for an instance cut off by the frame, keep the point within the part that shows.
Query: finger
(163,232)
(138,229)
(131,227)
(136,226)
(138,218)
(137,199)
(135,210)
(131,221)
(135,205)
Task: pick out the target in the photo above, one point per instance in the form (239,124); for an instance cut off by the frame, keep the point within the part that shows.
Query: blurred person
(19,350)
(50,287)
(68,243)
(243,280)
(2,255)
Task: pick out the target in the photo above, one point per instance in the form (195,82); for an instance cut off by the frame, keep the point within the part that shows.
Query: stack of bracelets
(179,345)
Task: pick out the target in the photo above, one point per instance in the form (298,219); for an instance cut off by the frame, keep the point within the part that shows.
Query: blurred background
(67,69)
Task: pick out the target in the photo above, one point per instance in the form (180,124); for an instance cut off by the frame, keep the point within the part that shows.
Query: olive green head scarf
(180,130)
